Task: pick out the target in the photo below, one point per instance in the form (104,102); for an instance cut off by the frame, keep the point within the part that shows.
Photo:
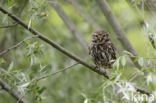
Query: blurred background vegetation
(34,58)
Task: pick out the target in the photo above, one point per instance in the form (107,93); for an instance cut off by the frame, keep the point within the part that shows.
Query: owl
(102,50)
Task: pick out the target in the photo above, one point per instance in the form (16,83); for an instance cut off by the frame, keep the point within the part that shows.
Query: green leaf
(117,63)
(1,60)
(10,2)
(25,85)
(34,8)
(128,53)
(123,60)
(41,90)
(11,66)
(136,59)
(117,77)
(150,69)
(31,60)
(29,24)
(27,42)
(141,61)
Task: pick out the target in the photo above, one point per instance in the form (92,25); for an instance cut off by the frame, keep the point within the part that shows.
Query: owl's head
(100,37)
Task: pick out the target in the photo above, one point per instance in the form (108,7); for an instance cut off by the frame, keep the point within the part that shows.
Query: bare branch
(51,74)
(141,90)
(150,33)
(117,29)
(86,16)
(53,44)
(18,44)
(144,24)
(8,26)
(69,24)
(12,92)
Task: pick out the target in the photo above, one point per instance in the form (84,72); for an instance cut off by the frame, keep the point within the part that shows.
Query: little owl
(102,50)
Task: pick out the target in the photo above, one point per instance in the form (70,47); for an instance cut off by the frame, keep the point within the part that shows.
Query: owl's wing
(112,51)
(89,48)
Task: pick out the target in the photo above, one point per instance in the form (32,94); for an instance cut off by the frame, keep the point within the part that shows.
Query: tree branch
(8,26)
(117,29)
(86,16)
(18,44)
(141,90)
(61,70)
(69,24)
(144,24)
(12,92)
(53,44)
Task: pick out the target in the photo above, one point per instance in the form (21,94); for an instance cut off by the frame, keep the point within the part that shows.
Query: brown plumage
(102,50)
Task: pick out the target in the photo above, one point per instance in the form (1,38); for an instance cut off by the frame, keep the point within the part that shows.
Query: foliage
(22,66)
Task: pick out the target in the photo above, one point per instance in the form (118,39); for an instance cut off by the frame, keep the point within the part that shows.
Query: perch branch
(53,44)
(90,20)
(12,92)
(69,24)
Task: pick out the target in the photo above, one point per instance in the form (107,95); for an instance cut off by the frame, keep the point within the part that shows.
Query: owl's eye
(95,36)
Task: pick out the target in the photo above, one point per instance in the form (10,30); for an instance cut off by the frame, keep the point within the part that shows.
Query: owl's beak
(100,39)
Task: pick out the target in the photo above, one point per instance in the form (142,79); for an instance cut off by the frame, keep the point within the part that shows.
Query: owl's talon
(97,67)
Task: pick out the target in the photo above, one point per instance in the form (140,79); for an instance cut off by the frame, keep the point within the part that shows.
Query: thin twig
(51,74)
(134,76)
(12,92)
(8,26)
(140,89)
(143,57)
(16,45)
